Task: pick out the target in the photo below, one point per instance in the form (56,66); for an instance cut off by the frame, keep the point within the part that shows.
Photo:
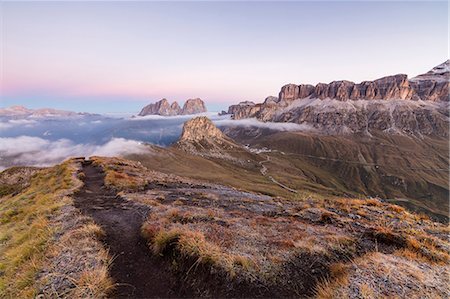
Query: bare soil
(136,272)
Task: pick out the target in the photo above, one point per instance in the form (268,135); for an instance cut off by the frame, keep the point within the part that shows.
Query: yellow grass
(25,229)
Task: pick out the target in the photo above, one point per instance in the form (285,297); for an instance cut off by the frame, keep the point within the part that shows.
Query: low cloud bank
(6,124)
(35,151)
(253,122)
(173,117)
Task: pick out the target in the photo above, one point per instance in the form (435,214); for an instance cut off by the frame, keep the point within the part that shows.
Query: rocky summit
(163,108)
(193,106)
(201,137)
(200,128)
(393,104)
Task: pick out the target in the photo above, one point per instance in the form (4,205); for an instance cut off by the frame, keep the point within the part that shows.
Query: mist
(45,141)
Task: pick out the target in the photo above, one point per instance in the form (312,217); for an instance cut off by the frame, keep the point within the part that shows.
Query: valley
(236,209)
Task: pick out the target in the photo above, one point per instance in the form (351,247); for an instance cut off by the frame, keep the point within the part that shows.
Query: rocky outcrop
(163,108)
(199,129)
(176,109)
(393,104)
(193,106)
(244,109)
(433,85)
(201,137)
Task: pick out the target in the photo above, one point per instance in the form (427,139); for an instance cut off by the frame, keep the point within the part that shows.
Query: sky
(119,56)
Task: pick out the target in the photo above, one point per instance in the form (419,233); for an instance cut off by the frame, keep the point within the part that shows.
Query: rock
(193,106)
(317,215)
(289,92)
(176,108)
(199,129)
(245,109)
(388,104)
(433,85)
(201,137)
(163,108)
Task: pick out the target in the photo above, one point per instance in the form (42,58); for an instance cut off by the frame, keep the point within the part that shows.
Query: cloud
(161,117)
(35,151)
(5,125)
(253,122)
(16,122)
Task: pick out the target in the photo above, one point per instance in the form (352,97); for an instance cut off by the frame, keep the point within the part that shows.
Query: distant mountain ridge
(391,104)
(163,108)
(21,111)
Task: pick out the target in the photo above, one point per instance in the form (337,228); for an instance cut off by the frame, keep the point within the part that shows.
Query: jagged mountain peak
(201,137)
(440,73)
(392,104)
(199,129)
(442,68)
(164,108)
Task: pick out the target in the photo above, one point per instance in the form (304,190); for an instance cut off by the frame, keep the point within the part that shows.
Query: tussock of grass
(187,245)
(116,175)
(93,284)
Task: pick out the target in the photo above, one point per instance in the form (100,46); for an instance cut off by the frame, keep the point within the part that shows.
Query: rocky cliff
(201,137)
(199,129)
(163,108)
(193,106)
(393,104)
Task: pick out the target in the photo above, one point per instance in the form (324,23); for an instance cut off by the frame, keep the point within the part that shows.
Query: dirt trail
(136,272)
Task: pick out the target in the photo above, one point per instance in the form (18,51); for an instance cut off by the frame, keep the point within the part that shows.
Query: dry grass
(26,230)
(377,275)
(37,230)
(396,208)
(326,289)
(187,243)
(256,236)
(93,284)
(117,176)
(121,181)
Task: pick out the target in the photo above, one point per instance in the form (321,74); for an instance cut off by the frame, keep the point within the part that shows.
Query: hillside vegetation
(213,236)
(46,246)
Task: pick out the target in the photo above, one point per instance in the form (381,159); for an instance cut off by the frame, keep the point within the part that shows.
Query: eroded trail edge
(136,272)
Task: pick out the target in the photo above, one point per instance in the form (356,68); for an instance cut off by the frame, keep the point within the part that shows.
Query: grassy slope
(261,246)
(28,233)
(25,230)
(245,177)
(411,171)
(394,167)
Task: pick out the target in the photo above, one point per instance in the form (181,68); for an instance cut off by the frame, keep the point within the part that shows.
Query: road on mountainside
(264,170)
(136,272)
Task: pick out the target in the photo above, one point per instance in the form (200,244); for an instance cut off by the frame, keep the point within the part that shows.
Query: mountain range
(163,108)
(357,207)
(391,104)
(22,112)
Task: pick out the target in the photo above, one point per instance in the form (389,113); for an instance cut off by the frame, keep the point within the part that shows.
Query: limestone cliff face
(176,109)
(201,137)
(199,129)
(433,85)
(193,106)
(392,104)
(163,108)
